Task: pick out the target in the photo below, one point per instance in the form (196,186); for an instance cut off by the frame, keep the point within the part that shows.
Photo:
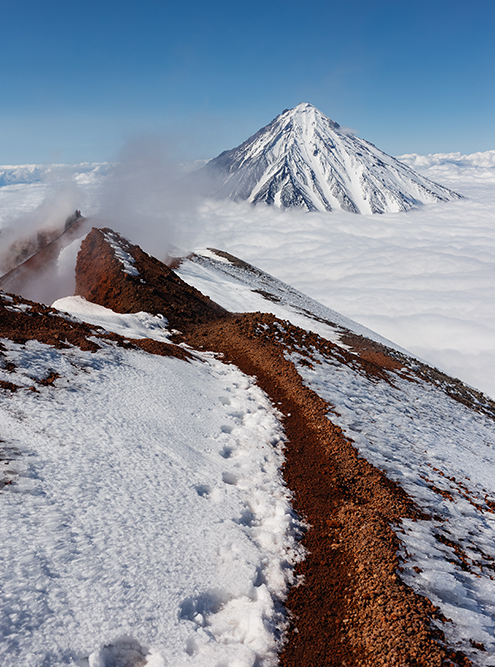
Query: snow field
(129,325)
(242,291)
(146,518)
(443,455)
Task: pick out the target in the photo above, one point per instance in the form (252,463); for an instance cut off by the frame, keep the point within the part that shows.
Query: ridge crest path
(352,606)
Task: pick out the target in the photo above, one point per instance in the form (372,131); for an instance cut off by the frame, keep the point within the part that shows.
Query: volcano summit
(302,159)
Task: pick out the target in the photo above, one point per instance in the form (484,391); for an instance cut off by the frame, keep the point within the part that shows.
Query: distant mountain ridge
(304,160)
(43,173)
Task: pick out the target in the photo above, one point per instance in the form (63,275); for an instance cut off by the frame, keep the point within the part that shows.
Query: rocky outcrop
(119,275)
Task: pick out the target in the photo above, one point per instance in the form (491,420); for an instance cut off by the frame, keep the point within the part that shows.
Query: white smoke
(25,234)
(147,198)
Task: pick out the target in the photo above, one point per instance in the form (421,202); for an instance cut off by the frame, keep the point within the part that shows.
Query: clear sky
(79,78)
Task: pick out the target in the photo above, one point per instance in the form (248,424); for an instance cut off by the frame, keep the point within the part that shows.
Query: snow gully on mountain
(304,160)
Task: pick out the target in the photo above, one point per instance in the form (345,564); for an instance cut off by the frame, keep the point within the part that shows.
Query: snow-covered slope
(303,159)
(144,519)
(436,441)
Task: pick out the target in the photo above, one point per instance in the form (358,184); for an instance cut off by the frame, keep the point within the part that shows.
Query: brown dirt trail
(352,608)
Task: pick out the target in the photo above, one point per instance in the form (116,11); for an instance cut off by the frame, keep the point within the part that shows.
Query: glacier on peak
(302,159)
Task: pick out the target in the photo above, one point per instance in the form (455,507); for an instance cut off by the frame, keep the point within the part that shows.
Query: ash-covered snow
(129,325)
(144,518)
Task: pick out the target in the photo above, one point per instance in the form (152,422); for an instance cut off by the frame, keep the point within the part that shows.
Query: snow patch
(115,241)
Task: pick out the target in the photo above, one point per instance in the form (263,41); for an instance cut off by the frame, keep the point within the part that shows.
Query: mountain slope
(384,400)
(302,159)
(143,502)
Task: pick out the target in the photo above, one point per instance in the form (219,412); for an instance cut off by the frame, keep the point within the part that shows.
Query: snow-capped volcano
(303,159)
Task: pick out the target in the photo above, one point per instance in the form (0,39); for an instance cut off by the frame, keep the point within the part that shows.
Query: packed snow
(144,518)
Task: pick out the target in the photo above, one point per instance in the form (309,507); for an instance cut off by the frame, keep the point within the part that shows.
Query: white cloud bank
(424,279)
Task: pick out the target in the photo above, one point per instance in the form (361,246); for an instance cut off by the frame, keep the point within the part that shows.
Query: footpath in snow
(144,518)
(440,451)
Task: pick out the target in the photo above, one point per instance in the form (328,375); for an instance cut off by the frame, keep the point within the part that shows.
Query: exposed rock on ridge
(38,278)
(102,277)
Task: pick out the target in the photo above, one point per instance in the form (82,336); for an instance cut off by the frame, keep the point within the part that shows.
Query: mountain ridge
(378,457)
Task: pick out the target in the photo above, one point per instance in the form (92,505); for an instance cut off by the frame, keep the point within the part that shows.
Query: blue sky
(80,78)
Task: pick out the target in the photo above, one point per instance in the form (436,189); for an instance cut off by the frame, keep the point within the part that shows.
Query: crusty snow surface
(429,444)
(146,521)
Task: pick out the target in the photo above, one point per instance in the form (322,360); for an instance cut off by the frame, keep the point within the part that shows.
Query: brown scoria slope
(351,607)
(157,289)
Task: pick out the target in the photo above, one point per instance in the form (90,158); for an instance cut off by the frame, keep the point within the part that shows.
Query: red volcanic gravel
(352,608)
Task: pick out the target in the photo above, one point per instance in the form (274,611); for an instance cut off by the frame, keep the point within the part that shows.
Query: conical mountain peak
(303,159)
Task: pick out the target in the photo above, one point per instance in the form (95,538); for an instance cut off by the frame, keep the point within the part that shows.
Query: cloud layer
(424,279)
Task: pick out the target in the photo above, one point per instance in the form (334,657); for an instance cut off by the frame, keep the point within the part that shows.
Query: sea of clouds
(424,279)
